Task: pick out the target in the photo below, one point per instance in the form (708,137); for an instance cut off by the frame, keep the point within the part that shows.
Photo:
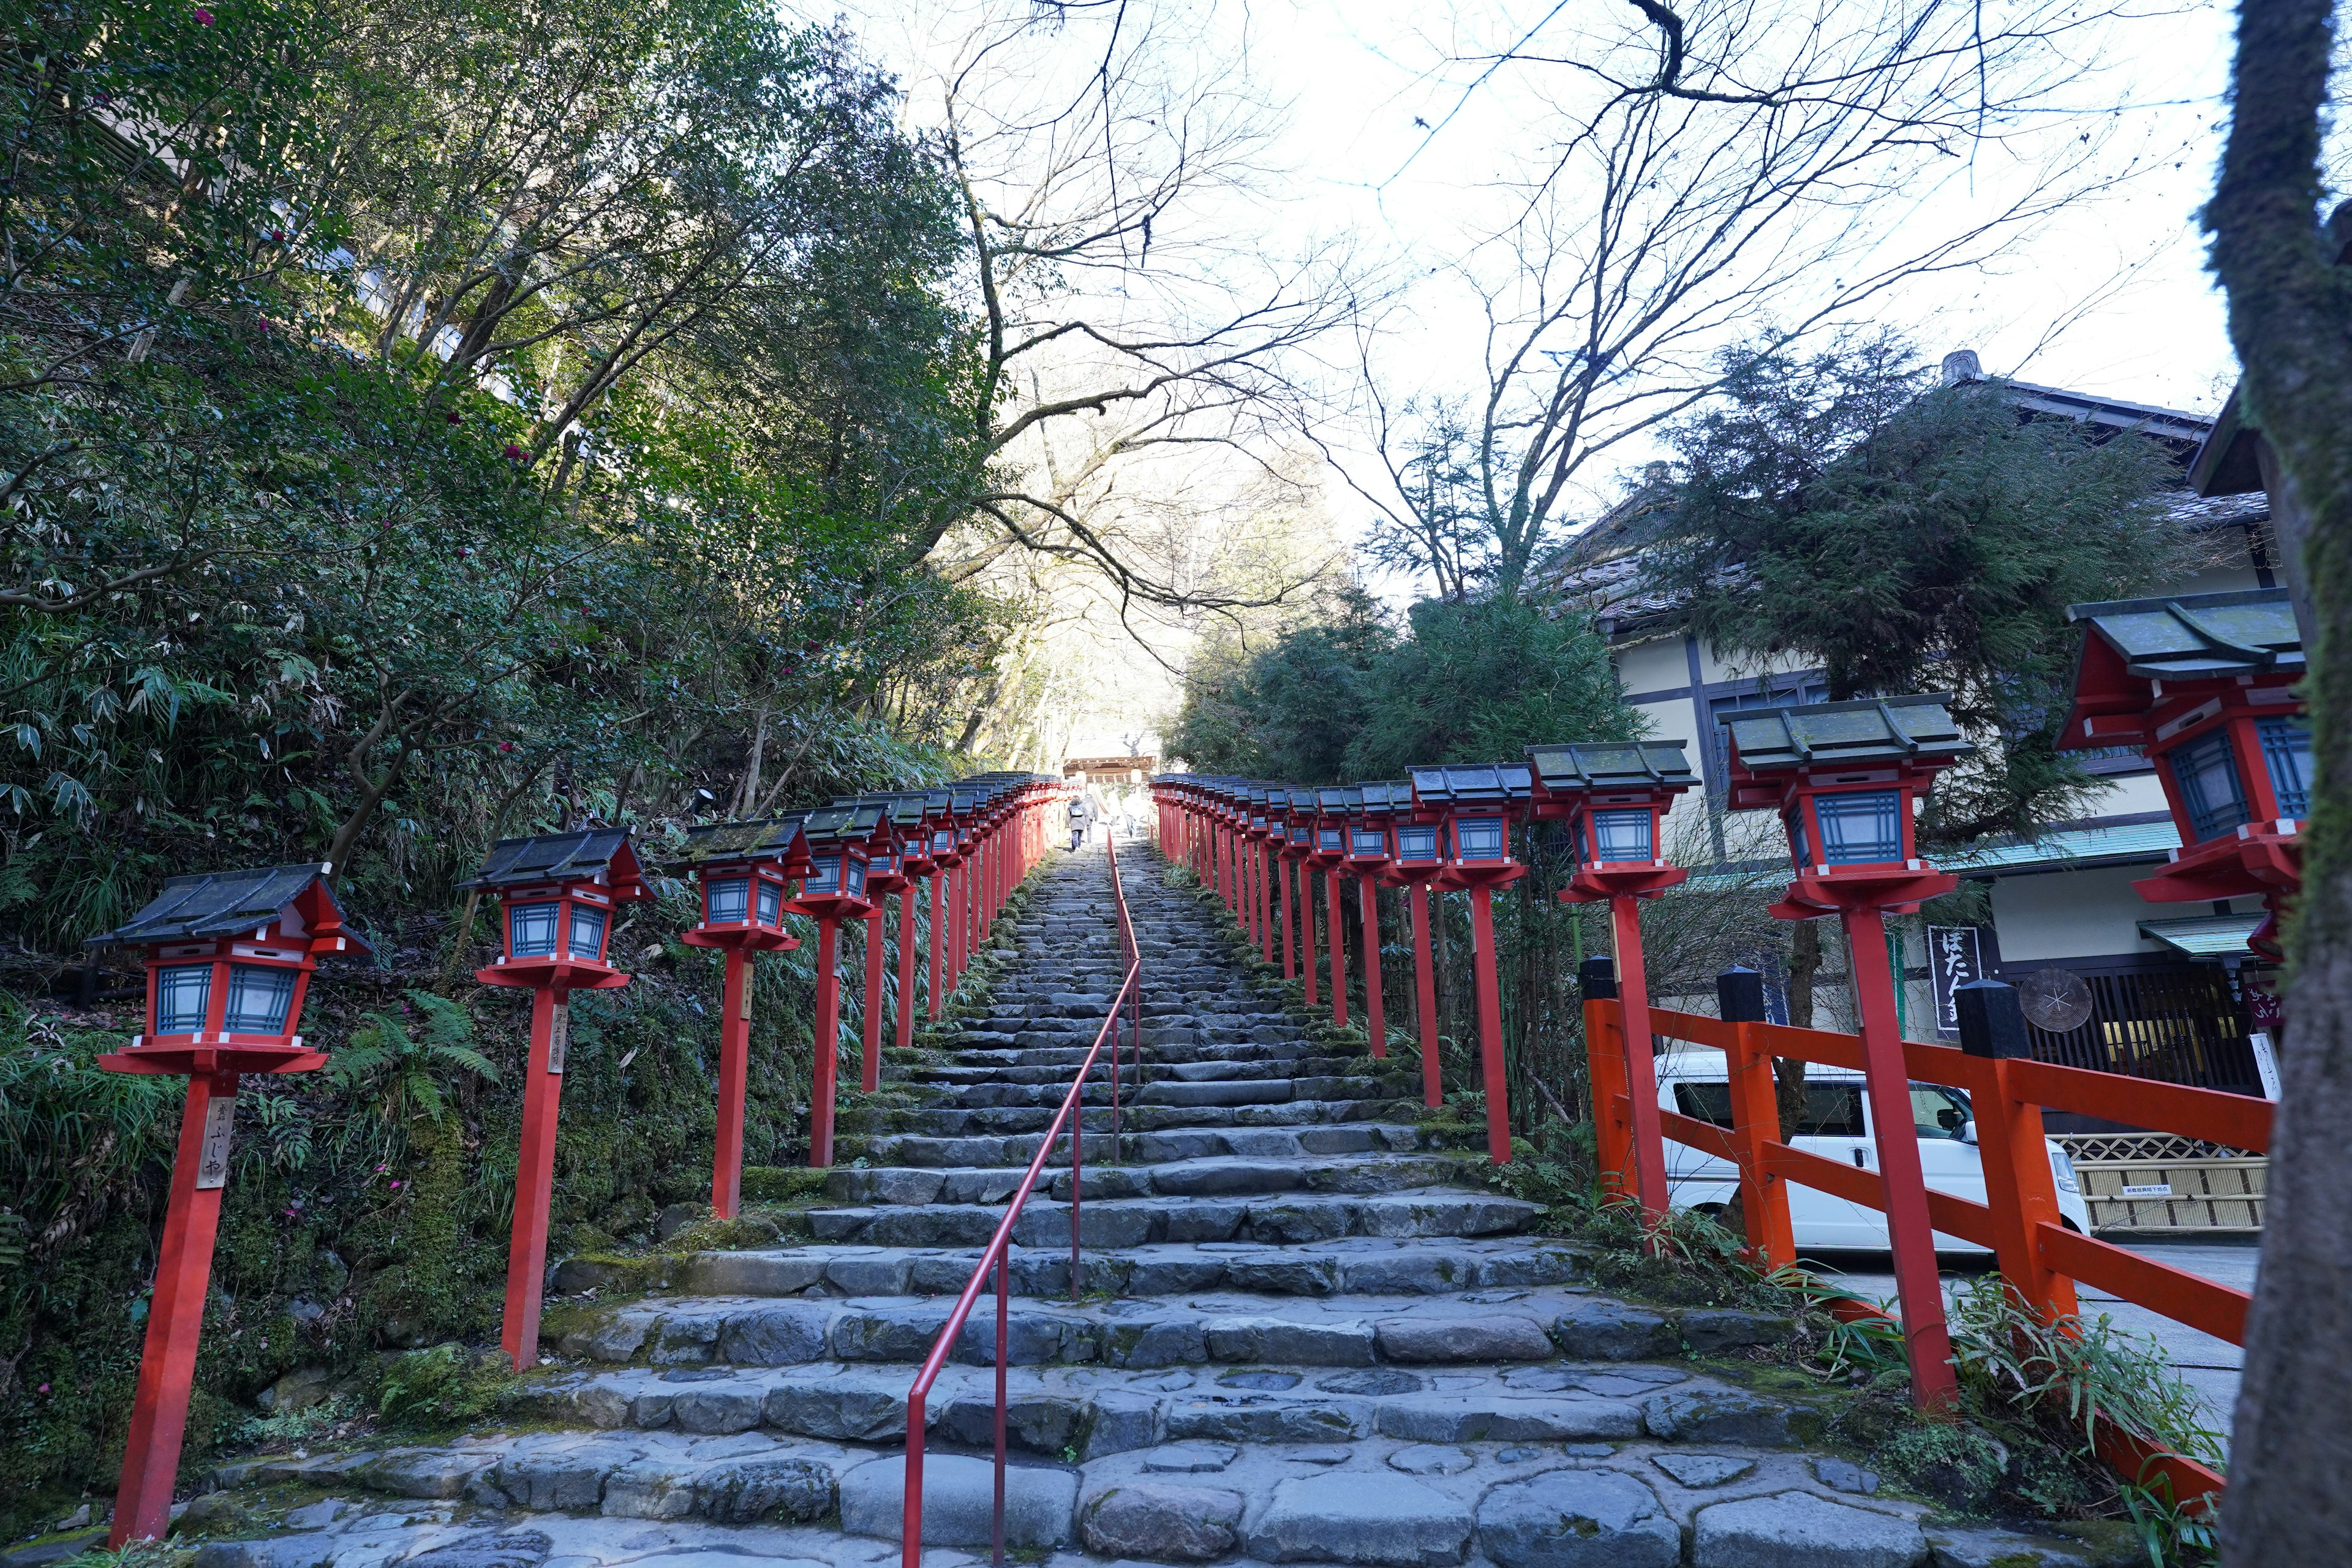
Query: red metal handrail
(1130,997)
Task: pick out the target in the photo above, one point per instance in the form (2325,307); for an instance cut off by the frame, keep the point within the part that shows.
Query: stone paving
(1300,1337)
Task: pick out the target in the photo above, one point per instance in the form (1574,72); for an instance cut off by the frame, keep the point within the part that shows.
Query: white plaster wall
(2077,914)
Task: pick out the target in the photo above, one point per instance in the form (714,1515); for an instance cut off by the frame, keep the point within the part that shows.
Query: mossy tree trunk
(2291,322)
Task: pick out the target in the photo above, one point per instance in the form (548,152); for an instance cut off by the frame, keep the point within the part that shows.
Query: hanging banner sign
(1955,957)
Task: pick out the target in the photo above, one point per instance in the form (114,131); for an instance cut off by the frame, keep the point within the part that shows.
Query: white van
(1837,1126)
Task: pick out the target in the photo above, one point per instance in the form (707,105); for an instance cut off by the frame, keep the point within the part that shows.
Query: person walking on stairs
(1082,813)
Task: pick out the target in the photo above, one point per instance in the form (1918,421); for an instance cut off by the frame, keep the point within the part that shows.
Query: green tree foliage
(1480,681)
(422,421)
(1290,707)
(1842,510)
(1346,698)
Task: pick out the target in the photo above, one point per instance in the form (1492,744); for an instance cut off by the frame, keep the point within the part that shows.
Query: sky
(1391,138)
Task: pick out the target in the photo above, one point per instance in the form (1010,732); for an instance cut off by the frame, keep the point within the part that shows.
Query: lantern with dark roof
(1330,843)
(840,845)
(2206,684)
(1477,802)
(1846,778)
(558,894)
(229,956)
(744,871)
(1368,818)
(1614,797)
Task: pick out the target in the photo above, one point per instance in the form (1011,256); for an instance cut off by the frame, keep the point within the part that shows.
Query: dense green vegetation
(1345,695)
(422,422)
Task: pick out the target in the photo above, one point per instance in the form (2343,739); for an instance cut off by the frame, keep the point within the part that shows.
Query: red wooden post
(1339,943)
(2018,1186)
(1755,1121)
(551,1030)
(828,1043)
(906,965)
(1490,1027)
(734,1073)
(1369,904)
(1887,1082)
(1641,1068)
(870,1077)
(1307,963)
(938,942)
(1289,954)
(175,1313)
(1424,985)
(1604,1055)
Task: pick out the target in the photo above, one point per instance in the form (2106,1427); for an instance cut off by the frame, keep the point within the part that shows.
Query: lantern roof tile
(1338,800)
(1474,783)
(2198,636)
(1386,799)
(1603,765)
(852,823)
(1873,730)
(221,903)
(759,839)
(560,858)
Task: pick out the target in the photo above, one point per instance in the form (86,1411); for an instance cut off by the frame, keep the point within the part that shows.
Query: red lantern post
(1846,778)
(744,870)
(229,957)
(1615,798)
(1330,853)
(1368,864)
(833,891)
(2207,684)
(939,822)
(558,894)
(886,873)
(1416,859)
(1298,855)
(1279,858)
(1259,832)
(1479,804)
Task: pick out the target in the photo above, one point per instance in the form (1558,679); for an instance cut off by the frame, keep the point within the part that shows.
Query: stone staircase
(1297,1335)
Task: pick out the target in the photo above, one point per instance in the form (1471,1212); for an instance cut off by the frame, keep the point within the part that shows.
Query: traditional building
(2172,991)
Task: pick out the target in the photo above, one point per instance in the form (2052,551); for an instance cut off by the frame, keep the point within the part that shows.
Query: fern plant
(404,1072)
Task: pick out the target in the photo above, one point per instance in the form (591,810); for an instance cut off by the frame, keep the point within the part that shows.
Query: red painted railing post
(734,1073)
(1887,1082)
(2019,1188)
(1424,986)
(550,1026)
(175,1320)
(1492,1076)
(1755,1121)
(1640,1066)
(826,1044)
(1369,905)
(1339,943)
(1604,1053)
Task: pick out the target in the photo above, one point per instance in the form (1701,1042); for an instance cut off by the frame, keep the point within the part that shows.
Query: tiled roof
(552,857)
(1873,730)
(214,903)
(2199,636)
(1476,784)
(2205,936)
(1606,765)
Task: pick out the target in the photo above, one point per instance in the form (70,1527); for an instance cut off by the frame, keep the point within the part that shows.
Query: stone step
(1095,1411)
(1355,1267)
(993,1185)
(1498,1324)
(956,1121)
(1214,1070)
(1149,1148)
(1137,1222)
(602,1499)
